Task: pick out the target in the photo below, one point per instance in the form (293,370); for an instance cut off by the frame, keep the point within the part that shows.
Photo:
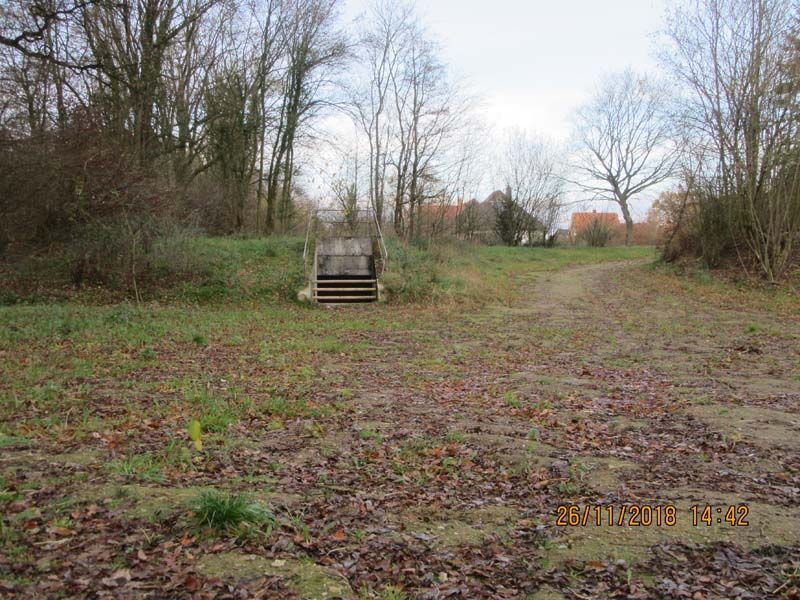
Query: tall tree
(314,48)
(429,114)
(233,139)
(533,201)
(623,141)
(736,62)
(130,43)
(382,44)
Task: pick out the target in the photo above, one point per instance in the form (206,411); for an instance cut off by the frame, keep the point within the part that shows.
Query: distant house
(476,221)
(561,236)
(439,219)
(582,220)
(471,220)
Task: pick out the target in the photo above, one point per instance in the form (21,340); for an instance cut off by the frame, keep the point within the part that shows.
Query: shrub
(414,272)
(131,252)
(597,234)
(759,231)
(673,210)
(53,184)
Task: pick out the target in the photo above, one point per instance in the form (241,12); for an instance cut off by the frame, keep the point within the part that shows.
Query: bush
(597,234)
(673,210)
(132,253)
(55,183)
(759,232)
(413,274)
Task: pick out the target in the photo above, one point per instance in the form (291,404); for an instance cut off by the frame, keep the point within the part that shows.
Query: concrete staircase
(344,271)
(345,290)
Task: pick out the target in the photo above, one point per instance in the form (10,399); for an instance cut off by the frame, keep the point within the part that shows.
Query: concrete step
(324,299)
(354,280)
(359,297)
(345,289)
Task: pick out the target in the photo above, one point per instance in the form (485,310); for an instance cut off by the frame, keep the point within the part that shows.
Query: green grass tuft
(371,435)
(511,400)
(225,511)
(138,466)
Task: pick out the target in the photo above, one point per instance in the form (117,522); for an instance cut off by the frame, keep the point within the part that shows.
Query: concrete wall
(345,256)
(355,246)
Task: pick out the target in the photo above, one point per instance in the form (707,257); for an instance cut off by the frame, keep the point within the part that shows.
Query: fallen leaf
(191,583)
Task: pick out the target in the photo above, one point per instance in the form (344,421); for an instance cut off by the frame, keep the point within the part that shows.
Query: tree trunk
(626,214)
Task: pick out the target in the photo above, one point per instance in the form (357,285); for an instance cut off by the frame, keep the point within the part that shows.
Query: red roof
(447,212)
(581,220)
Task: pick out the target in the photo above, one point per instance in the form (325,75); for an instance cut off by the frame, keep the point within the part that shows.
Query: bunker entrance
(348,257)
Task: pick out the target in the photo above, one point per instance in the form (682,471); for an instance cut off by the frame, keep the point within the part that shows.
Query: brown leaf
(191,583)
(118,577)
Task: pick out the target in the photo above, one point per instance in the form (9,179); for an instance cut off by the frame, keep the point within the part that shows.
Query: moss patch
(466,528)
(144,502)
(35,463)
(515,451)
(84,456)
(760,426)
(308,579)
(604,474)
(12,461)
(767,386)
(546,593)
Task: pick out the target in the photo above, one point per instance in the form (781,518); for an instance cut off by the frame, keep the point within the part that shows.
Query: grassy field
(221,439)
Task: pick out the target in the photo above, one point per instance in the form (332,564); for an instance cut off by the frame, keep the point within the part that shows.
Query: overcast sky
(531,62)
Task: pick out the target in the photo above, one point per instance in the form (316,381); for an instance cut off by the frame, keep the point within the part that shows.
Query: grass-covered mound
(183,268)
(464,272)
(191,269)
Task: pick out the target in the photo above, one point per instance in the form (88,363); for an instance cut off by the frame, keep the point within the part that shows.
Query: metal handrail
(311,215)
(312,219)
(381,244)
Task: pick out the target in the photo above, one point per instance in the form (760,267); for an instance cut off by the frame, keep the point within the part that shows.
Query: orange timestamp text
(649,515)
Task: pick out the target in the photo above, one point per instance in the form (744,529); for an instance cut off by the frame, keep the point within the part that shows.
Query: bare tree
(459,174)
(233,137)
(737,61)
(382,42)
(344,187)
(408,109)
(270,18)
(314,46)
(533,201)
(33,29)
(624,141)
(131,43)
(431,113)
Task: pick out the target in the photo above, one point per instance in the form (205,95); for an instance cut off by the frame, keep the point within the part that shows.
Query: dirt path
(585,393)
(430,460)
